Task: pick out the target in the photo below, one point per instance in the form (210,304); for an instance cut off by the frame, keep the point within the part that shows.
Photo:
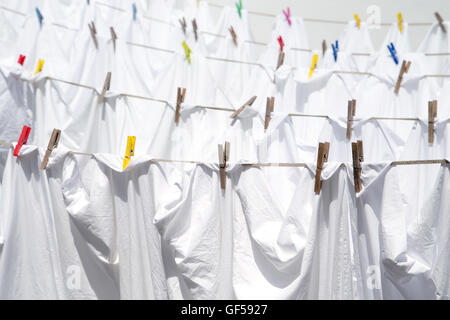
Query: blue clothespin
(335,48)
(393,52)
(134,11)
(39,15)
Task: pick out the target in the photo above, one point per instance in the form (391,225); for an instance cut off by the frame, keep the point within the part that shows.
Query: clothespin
(404,69)
(180,99)
(248,103)
(287,14)
(233,35)
(134,8)
(113,37)
(88,2)
(335,48)
(106,86)
(400,21)
(441,22)
(39,16)
(393,52)
(40,66)
(350,114)
(129,152)
(269,109)
(93,33)
(432,114)
(187,51)
(21,59)
(183,24)
(280,59)
(52,144)
(22,140)
(239,8)
(358,21)
(358,157)
(324,47)
(281,43)
(313,65)
(322,157)
(194,26)
(224,156)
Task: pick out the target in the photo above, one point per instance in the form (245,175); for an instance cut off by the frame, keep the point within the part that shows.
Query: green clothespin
(239,8)
(187,50)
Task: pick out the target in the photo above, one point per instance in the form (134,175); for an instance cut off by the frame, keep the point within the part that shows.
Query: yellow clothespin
(187,50)
(129,152)
(39,66)
(400,21)
(313,65)
(358,20)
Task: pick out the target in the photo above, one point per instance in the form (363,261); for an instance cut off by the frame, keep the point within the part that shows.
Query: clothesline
(295,164)
(223,36)
(223,108)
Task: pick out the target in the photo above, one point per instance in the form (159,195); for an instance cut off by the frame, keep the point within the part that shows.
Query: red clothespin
(287,14)
(194,27)
(233,35)
(403,69)
(281,43)
(224,156)
(432,114)
(322,157)
(21,59)
(358,157)
(180,99)
(269,109)
(113,37)
(22,140)
(248,103)
(350,114)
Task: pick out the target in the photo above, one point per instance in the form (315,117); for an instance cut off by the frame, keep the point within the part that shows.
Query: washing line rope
(273,164)
(245,41)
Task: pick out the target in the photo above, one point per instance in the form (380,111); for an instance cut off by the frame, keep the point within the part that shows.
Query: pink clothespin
(281,42)
(287,14)
(21,59)
(22,140)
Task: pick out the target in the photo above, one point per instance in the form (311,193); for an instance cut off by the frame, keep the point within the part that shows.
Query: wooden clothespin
(22,140)
(324,47)
(350,114)
(358,20)
(322,157)
(183,24)
(269,109)
(441,22)
(113,37)
(238,111)
(432,114)
(194,27)
(52,144)
(106,86)
(129,152)
(313,65)
(233,35)
(358,157)
(280,59)
(400,21)
(21,59)
(224,156)
(40,66)
(187,51)
(180,99)
(404,69)
(93,33)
